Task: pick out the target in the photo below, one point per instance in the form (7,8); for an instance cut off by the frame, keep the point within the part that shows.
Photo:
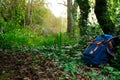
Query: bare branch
(64,4)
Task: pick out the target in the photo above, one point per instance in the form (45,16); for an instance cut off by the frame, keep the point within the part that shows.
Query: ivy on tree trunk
(71,16)
(84,11)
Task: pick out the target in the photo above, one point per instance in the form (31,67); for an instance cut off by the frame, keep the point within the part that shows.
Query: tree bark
(74,16)
(102,14)
(69,17)
(29,12)
(84,11)
(30,2)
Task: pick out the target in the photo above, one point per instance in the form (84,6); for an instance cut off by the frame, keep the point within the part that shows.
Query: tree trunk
(31,12)
(69,17)
(30,3)
(103,17)
(29,9)
(84,11)
(74,16)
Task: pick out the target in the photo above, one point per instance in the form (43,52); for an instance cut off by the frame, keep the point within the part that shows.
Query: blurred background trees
(85,18)
(30,13)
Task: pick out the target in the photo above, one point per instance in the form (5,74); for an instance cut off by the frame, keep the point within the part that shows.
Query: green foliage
(116,60)
(21,38)
(112,72)
(7,26)
(5,75)
(13,36)
(12,10)
(114,12)
(107,69)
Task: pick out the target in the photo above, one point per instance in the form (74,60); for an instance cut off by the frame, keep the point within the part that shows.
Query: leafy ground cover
(30,67)
(48,64)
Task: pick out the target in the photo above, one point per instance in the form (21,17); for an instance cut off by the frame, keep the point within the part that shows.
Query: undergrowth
(65,51)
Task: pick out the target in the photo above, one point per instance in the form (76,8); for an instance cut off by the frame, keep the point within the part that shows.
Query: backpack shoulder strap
(110,42)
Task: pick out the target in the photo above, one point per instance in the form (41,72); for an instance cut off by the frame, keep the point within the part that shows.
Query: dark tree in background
(102,14)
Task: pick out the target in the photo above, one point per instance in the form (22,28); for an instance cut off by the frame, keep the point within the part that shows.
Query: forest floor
(29,66)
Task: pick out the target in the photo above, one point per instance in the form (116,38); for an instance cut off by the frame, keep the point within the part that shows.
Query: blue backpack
(99,51)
